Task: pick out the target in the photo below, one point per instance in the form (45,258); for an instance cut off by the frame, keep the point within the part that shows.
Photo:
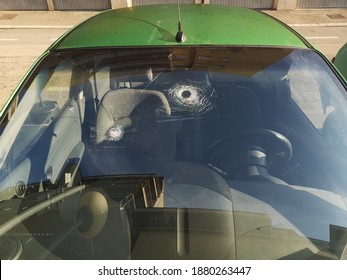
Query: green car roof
(157,25)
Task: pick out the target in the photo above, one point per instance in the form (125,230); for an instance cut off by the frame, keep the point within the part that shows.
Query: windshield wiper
(27,213)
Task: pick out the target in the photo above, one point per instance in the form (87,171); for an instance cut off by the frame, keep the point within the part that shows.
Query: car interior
(194,154)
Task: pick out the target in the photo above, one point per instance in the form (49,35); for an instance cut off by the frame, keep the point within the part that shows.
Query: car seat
(130,138)
(143,143)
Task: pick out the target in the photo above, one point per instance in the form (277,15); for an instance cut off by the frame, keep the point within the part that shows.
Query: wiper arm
(18,219)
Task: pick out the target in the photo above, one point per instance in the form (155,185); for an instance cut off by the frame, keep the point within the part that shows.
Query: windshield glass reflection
(177,147)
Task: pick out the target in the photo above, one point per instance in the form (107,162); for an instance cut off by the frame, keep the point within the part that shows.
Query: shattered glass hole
(115,133)
(186,94)
(192,97)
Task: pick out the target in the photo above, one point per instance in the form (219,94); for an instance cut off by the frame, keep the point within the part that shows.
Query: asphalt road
(21,44)
(328,39)
(19,48)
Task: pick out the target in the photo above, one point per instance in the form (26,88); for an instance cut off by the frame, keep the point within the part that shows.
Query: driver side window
(306,94)
(319,97)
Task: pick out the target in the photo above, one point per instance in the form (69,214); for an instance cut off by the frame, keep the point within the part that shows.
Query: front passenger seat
(129,135)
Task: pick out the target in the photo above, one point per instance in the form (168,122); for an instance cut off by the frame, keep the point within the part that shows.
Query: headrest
(138,76)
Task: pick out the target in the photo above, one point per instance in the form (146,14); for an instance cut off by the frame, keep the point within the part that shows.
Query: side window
(317,92)
(58,86)
(51,88)
(41,104)
(8,113)
(306,93)
(315,89)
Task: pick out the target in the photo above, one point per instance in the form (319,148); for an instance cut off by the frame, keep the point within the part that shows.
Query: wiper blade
(27,213)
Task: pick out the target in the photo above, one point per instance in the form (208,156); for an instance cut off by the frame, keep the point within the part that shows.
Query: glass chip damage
(176,153)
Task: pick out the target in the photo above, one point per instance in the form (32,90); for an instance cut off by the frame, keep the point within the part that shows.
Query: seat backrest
(132,116)
(116,107)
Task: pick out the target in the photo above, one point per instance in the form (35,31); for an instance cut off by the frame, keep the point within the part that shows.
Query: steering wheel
(258,147)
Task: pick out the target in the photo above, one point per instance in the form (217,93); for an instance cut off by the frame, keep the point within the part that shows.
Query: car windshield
(176,153)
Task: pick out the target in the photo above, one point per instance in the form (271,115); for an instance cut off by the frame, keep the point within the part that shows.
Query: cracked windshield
(176,153)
